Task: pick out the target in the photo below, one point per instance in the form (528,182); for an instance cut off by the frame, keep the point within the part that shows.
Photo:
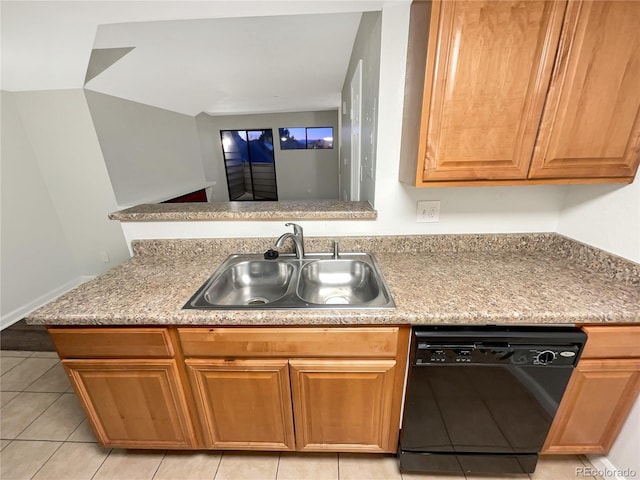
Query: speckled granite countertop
(463,279)
(283,210)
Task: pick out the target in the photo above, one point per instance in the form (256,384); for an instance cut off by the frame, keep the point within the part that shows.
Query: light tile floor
(45,436)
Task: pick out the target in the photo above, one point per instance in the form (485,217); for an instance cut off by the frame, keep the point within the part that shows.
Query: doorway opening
(249,162)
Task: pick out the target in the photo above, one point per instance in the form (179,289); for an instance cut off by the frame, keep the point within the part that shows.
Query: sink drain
(336,300)
(257,301)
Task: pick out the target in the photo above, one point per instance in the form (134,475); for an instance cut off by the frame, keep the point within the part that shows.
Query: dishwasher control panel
(539,355)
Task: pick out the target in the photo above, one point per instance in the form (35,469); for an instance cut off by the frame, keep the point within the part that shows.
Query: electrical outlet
(428,211)
(104,256)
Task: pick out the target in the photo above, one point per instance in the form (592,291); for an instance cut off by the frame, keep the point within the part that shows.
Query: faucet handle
(297,229)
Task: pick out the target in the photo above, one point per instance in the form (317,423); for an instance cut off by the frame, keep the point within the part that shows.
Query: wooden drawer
(359,342)
(106,342)
(612,342)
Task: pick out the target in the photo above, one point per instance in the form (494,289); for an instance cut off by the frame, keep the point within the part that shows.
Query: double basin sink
(317,281)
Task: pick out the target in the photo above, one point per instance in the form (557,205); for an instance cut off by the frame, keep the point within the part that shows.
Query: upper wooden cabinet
(517,92)
(591,123)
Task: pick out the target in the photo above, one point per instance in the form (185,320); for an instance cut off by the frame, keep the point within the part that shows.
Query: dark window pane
(321,137)
(261,146)
(292,138)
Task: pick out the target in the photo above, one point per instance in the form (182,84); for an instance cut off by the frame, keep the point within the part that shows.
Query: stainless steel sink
(338,282)
(252,282)
(316,281)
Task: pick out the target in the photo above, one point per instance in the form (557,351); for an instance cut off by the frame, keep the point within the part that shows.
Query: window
(306,138)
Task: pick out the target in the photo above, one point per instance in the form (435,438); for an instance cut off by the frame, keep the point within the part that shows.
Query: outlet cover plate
(428,211)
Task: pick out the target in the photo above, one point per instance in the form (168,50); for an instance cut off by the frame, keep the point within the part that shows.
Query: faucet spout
(297,237)
(296,240)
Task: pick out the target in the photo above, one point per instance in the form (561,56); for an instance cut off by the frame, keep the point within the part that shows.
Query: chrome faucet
(296,236)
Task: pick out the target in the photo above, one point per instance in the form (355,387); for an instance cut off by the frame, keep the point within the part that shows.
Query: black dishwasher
(482,399)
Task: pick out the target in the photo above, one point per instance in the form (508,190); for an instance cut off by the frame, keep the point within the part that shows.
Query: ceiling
(221,57)
(231,65)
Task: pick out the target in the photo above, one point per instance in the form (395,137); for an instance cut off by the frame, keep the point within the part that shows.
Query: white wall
(36,258)
(213,169)
(366,47)
(300,174)
(151,154)
(58,127)
(605,216)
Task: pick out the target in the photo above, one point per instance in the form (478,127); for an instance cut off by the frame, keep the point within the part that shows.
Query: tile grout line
(11,400)
(18,356)
(81,441)
(35,440)
(47,460)
(164,455)
(23,359)
(218,466)
(74,430)
(278,466)
(52,367)
(37,417)
(31,391)
(101,464)
(25,389)
(43,412)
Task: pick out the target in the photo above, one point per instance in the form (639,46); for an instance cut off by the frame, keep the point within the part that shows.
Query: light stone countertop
(281,210)
(499,279)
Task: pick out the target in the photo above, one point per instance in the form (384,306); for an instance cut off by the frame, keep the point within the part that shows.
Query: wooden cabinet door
(598,398)
(133,403)
(591,123)
(344,405)
(486,80)
(243,404)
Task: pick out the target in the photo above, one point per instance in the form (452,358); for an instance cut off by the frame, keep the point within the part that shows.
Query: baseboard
(21,312)
(606,469)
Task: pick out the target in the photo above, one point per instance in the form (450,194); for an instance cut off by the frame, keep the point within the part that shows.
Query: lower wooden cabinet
(240,388)
(594,407)
(307,388)
(596,403)
(338,404)
(600,394)
(133,403)
(243,404)
(341,387)
(343,405)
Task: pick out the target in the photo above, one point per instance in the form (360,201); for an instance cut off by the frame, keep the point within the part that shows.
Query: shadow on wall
(578,195)
(471,208)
